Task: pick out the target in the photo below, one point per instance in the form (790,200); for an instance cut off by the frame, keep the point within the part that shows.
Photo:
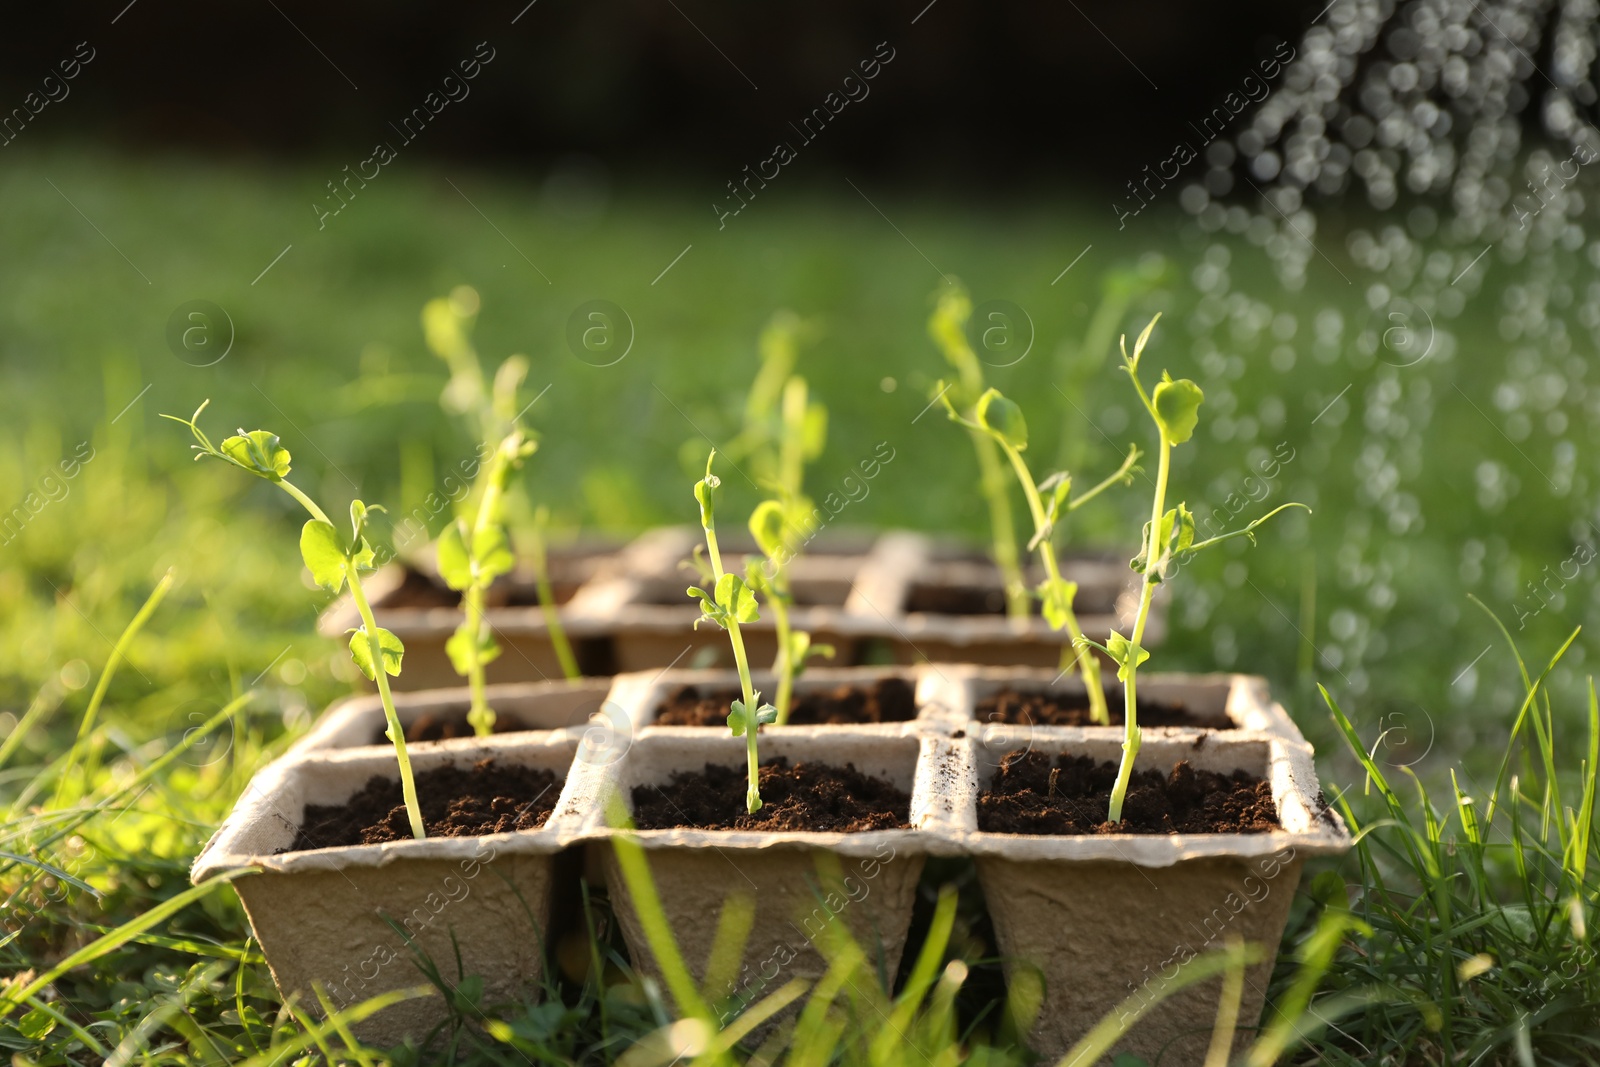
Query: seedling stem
(730,602)
(333,561)
(1174,406)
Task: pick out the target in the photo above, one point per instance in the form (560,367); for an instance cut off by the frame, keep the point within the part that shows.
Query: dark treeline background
(977,95)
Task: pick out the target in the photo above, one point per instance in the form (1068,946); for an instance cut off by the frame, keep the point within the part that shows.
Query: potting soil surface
(806,796)
(1071,708)
(487,798)
(444,725)
(1033,795)
(886,700)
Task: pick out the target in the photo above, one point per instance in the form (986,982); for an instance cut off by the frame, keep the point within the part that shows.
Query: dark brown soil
(1030,795)
(939,599)
(886,700)
(1071,708)
(959,600)
(444,725)
(485,799)
(417,590)
(807,796)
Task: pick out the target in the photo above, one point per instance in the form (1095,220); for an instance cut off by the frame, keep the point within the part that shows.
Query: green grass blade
(1109,1030)
(657,931)
(1286,1027)
(119,652)
(115,939)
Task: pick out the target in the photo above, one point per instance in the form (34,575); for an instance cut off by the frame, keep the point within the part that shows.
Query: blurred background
(1366,226)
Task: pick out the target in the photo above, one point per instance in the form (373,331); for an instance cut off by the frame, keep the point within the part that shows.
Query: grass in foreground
(1462,935)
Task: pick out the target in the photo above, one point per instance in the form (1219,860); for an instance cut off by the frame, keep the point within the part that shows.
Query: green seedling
(768,526)
(1001,421)
(1168,540)
(731,602)
(475,549)
(778,524)
(783,430)
(471,555)
(333,561)
(948,328)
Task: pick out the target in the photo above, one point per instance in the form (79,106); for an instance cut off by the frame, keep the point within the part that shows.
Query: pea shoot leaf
(455,566)
(389,647)
(258,452)
(492,551)
(1003,418)
(460,647)
(1127,654)
(1177,408)
(323,554)
(743,717)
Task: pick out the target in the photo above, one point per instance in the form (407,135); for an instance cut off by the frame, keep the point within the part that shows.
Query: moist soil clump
(1070,708)
(887,700)
(486,798)
(1033,795)
(806,796)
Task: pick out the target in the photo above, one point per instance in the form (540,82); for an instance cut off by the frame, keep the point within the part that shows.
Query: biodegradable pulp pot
(935,604)
(652,618)
(954,692)
(411,600)
(800,882)
(1103,918)
(320,915)
(640,697)
(359,720)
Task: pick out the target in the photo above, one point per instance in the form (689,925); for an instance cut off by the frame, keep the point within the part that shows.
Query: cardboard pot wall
(805,886)
(328,917)
(898,597)
(966,695)
(651,619)
(1103,918)
(423,616)
(358,721)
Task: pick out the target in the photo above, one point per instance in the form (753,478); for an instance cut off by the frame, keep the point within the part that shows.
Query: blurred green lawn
(1421,495)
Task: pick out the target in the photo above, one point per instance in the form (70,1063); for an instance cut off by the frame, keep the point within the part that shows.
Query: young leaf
(766,526)
(460,648)
(358,522)
(801,650)
(1002,418)
(702,492)
(1182,533)
(814,432)
(742,717)
(1177,408)
(735,598)
(1127,654)
(258,452)
(815,652)
(1057,597)
(389,647)
(1059,486)
(492,552)
(455,566)
(1144,337)
(709,608)
(323,554)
